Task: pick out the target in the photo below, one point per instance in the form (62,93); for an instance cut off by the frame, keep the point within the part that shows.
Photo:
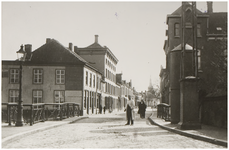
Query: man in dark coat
(142,109)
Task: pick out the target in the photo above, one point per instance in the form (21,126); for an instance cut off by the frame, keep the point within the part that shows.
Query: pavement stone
(206,133)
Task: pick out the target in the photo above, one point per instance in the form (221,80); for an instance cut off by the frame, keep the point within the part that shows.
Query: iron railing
(163,111)
(33,113)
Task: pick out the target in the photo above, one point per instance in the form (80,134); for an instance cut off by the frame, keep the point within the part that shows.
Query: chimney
(48,40)
(130,84)
(96,38)
(28,50)
(70,46)
(209,7)
(76,50)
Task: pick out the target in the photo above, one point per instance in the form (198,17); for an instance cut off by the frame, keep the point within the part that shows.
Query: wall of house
(73,83)
(48,87)
(5,82)
(95,60)
(173,40)
(214,112)
(74,78)
(90,91)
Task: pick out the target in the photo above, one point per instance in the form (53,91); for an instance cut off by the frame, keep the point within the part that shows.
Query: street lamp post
(21,57)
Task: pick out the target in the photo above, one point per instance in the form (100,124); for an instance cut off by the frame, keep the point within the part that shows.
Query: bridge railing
(33,113)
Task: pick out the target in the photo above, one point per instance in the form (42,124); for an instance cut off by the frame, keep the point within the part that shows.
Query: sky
(133,30)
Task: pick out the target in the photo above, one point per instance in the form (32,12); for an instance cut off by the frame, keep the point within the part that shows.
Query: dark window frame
(14,78)
(60,83)
(42,75)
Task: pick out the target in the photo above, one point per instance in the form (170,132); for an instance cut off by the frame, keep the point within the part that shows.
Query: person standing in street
(104,109)
(142,109)
(130,115)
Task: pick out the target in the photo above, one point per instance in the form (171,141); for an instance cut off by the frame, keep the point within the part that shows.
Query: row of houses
(196,50)
(54,73)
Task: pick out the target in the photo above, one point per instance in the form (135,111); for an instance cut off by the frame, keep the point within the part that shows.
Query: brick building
(204,39)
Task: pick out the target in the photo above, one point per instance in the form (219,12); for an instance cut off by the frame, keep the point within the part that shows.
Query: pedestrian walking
(104,109)
(142,109)
(130,115)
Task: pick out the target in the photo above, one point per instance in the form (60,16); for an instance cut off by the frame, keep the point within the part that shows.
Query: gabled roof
(95,45)
(54,52)
(179,10)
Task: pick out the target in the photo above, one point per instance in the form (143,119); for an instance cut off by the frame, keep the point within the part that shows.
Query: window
(37,96)
(177,29)
(199,59)
(93,80)
(97,85)
(60,76)
(14,96)
(14,75)
(90,99)
(85,100)
(37,76)
(86,78)
(59,97)
(90,79)
(198,30)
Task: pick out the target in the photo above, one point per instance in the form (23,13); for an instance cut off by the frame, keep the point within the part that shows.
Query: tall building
(196,46)
(105,61)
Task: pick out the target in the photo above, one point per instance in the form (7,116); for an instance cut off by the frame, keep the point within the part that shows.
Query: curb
(13,137)
(194,136)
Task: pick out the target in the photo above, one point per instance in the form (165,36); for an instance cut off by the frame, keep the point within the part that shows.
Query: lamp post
(21,57)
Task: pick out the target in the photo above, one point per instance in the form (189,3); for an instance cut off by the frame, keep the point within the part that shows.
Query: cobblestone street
(108,131)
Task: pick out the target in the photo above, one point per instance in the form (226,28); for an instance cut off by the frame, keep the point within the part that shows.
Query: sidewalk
(11,132)
(210,134)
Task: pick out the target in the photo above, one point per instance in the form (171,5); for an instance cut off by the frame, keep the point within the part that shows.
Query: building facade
(106,62)
(53,74)
(196,46)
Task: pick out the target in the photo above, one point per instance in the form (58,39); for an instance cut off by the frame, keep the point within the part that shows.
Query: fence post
(61,113)
(46,113)
(78,112)
(68,111)
(43,113)
(73,109)
(31,115)
(8,112)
